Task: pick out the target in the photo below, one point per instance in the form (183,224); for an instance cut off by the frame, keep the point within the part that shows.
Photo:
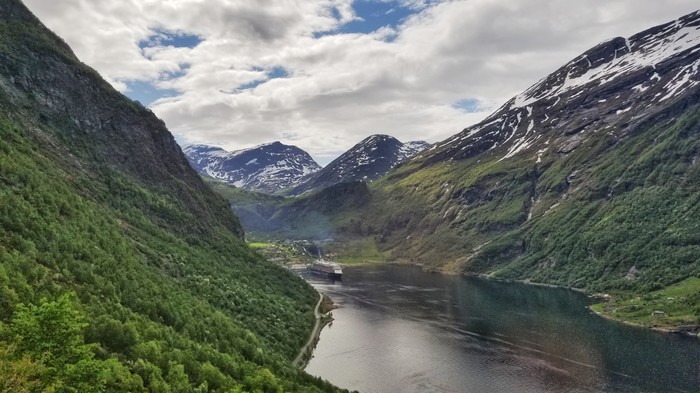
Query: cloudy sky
(324,74)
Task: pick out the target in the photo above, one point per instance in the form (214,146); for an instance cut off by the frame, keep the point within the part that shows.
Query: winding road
(298,361)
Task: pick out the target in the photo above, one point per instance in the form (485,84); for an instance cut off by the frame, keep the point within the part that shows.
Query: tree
(177,379)
(51,331)
(19,374)
(263,381)
(50,334)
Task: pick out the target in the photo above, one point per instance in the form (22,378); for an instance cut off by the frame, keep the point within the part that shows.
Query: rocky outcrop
(100,129)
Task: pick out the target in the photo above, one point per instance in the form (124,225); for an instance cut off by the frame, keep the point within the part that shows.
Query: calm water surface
(399,329)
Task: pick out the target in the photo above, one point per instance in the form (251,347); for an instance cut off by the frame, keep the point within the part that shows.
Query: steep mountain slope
(369,160)
(616,85)
(589,179)
(266,168)
(120,270)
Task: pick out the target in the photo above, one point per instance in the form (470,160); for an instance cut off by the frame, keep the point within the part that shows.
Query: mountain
(120,269)
(266,168)
(412,148)
(369,160)
(589,179)
(614,86)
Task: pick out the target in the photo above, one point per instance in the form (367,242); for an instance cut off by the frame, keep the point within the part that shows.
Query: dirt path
(299,360)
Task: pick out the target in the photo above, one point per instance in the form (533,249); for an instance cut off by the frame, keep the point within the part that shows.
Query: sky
(325,74)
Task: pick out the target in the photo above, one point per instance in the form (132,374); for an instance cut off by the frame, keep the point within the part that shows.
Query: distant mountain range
(274,167)
(267,168)
(368,160)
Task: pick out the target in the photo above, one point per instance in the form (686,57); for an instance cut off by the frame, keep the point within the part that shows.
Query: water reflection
(400,329)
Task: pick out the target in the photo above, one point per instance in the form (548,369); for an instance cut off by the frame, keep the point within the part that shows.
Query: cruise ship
(329,269)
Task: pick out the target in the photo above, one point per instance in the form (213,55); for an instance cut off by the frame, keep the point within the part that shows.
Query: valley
(587,180)
(545,247)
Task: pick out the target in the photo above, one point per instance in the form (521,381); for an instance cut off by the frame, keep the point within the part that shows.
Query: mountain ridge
(269,167)
(556,146)
(637,63)
(368,160)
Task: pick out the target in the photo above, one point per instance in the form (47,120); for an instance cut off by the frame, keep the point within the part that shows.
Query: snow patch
(521,144)
(647,53)
(682,80)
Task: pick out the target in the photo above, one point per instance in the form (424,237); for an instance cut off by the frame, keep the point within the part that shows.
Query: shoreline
(322,319)
(677,330)
(694,331)
(528,282)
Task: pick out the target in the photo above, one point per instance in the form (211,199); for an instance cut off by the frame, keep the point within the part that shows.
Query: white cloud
(340,87)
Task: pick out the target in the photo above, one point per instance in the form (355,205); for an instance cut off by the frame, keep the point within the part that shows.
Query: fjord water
(399,329)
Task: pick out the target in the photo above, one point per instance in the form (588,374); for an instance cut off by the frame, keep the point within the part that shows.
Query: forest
(120,271)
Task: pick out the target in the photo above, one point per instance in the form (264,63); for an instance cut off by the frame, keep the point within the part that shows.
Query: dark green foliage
(634,224)
(151,298)
(46,344)
(96,200)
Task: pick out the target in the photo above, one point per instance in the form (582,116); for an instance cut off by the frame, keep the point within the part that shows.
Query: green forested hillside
(119,269)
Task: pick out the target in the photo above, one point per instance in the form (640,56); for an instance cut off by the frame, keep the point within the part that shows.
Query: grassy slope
(618,216)
(679,305)
(169,294)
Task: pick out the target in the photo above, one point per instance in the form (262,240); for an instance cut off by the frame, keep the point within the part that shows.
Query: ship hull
(327,270)
(335,276)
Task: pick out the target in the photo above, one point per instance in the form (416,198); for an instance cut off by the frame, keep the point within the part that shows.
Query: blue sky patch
(274,73)
(277,72)
(469,105)
(375,15)
(146,93)
(165,38)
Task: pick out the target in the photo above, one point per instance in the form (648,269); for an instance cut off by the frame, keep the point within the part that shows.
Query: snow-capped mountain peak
(410,149)
(620,56)
(368,160)
(270,167)
(610,88)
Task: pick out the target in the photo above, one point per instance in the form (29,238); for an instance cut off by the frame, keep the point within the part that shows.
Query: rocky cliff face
(100,128)
(369,160)
(268,168)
